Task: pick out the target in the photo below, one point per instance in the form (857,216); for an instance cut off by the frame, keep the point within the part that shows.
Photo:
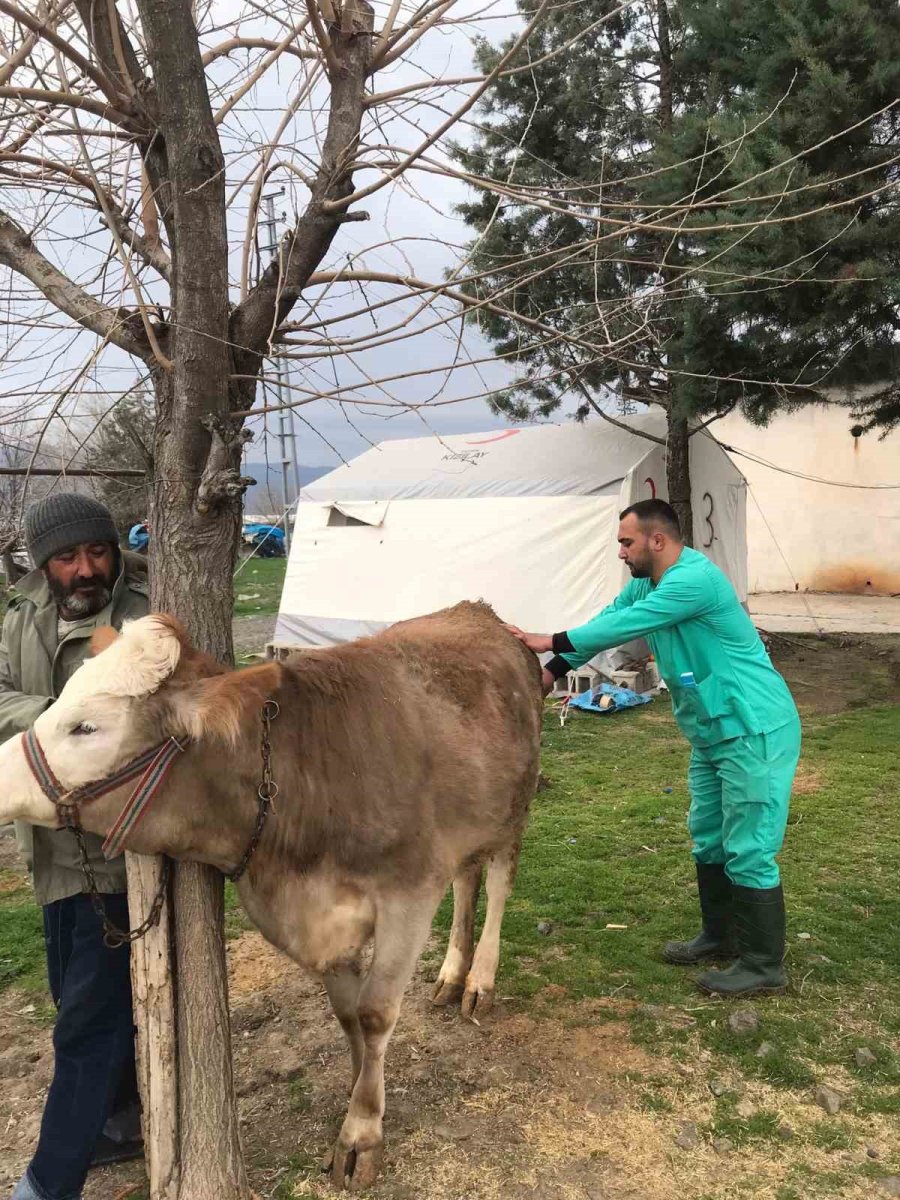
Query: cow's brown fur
(404,761)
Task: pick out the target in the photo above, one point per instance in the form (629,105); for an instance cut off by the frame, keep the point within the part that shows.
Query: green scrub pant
(740,791)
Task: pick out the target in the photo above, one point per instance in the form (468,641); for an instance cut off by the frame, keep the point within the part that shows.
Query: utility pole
(268,244)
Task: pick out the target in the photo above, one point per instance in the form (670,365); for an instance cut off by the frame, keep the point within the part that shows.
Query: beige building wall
(810,535)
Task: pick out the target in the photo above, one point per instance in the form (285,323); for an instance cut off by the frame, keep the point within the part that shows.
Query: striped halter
(149,769)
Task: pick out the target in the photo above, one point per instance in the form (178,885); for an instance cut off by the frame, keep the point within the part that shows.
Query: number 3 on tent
(707,517)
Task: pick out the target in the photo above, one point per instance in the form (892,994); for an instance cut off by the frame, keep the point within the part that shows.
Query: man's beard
(81,606)
(638,572)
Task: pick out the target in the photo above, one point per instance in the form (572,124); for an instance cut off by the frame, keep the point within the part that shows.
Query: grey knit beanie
(66,519)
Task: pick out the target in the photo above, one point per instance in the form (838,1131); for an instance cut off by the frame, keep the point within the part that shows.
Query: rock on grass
(829,1099)
(689,1137)
(744,1020)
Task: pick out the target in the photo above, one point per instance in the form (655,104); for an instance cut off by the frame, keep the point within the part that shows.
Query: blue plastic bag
(621,698)
(138,537)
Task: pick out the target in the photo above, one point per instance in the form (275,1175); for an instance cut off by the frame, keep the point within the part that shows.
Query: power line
(763,462)
(794,580)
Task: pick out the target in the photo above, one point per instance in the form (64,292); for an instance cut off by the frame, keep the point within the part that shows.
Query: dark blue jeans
(93,1040)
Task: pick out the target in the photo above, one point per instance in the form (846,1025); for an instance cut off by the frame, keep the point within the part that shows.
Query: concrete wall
(834,539)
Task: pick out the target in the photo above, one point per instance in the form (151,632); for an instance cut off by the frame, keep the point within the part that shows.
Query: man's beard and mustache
(96,591)
(638,571)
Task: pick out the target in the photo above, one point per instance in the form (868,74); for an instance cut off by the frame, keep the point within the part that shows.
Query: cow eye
(84,727)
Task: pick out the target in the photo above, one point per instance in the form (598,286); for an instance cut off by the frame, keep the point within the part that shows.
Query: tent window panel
(336,517)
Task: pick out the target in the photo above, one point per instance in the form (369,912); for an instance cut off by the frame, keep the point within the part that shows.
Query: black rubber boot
(121,1139)
(715,939)
(759,927)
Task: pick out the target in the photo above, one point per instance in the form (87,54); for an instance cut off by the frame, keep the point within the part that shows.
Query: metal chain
(267,790)
(113,936)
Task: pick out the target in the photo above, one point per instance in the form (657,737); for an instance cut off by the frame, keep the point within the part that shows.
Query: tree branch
(106,112)
(116,56)
(49,17)
(48,34)
(120,326)
(146,248)
(350,197)
(255,320)
(651,437)
(76,472)
(278,49)
(242,43)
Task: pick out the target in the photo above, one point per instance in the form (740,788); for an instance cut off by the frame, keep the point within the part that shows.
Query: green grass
(299,1169)
(607,845)
(236,920)
(22,960)
(260,580)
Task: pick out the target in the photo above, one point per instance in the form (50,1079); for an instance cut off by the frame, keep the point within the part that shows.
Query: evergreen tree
(695,208)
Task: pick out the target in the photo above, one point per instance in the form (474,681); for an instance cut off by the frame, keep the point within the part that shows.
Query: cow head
(138,689)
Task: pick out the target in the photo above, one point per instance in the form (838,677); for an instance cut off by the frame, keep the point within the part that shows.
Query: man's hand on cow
(538,642)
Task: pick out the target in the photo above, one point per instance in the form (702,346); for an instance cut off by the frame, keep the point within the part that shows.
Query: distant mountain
(265,495)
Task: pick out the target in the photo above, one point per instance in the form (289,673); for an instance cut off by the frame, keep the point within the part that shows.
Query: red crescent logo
(496,438)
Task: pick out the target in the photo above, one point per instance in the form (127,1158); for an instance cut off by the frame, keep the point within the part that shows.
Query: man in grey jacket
(91,1115)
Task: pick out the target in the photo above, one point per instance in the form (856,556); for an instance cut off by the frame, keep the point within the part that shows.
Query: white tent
(524,518)
(824,505)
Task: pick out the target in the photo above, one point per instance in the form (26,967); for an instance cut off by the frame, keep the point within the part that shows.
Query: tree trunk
(678,473)
(678,469)
(194,526)
(212,1165)
(154,1001)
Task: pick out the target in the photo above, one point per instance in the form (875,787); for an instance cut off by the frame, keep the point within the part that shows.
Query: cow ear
(139,661)
(103,637)
(223,707)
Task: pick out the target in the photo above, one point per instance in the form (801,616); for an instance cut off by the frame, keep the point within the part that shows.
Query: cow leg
(478,998)
(343,984)
(451,980)
(401,930)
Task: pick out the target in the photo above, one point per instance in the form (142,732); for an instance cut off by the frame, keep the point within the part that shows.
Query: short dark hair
(657,513)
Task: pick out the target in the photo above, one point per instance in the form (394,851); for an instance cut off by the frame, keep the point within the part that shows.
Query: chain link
(267,790)
(113,936)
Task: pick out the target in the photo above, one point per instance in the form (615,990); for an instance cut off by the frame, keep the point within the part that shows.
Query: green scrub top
(694,623)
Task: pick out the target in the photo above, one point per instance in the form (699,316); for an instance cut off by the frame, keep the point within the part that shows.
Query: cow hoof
(477,1003)
(446,994)
(355,1170)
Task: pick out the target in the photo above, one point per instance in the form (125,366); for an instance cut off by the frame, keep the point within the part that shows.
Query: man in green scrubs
(741,721)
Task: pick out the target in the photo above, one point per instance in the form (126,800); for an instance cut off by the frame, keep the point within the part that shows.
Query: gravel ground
(251,634)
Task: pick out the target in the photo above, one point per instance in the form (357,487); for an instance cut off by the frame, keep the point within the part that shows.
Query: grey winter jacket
(34,668)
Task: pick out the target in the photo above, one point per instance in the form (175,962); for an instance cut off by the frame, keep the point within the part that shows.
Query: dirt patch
(522,1107)
(251,634)
(253,966)
(10,858)
(807,780)
(838,671)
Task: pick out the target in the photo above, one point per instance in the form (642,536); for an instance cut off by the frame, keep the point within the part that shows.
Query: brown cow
(403,761)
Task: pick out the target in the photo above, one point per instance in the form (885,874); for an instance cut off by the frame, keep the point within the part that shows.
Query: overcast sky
(412,230)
